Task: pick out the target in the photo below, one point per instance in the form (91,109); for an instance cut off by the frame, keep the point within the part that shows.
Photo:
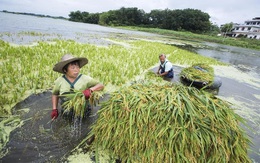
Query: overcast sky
(220,11)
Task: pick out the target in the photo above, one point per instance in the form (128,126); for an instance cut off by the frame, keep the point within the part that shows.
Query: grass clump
(149,122)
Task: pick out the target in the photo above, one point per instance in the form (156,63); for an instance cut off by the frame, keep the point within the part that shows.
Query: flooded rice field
(35,140)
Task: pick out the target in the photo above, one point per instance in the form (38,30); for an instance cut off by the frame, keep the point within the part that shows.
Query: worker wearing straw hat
(71,79)
(165,68)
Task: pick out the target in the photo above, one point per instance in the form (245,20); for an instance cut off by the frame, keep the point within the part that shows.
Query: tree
(195,20)
(188,19)
(226,27)
(156,18)
(76,16)
(108,18)
(214,29)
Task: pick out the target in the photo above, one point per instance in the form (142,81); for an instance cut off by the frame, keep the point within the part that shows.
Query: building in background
(250,29)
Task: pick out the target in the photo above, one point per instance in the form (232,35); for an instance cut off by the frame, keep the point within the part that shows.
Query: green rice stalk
(78,104)
(194,74)
(148,122)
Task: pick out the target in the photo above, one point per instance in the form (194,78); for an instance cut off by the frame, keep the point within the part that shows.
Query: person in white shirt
(165,68)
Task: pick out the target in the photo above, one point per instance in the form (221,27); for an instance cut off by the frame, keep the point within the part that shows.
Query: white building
(250,29)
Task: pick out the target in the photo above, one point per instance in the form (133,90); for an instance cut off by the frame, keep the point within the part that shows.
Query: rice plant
(77,104)
(199,72)
(25,70)
(28,69)
(149,122)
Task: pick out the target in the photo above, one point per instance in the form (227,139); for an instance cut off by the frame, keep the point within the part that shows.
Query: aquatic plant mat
(148,122)
(199,72)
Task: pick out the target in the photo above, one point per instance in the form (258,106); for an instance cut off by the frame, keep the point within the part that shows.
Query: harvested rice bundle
(169,123)
(199,73)
(78,104)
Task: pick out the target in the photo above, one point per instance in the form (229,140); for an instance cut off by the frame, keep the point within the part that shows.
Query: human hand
(87,93)
(54,114)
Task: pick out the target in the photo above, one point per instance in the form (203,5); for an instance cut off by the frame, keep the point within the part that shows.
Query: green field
(240,42)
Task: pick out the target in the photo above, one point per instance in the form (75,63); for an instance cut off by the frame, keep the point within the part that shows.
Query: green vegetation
(23,74)
(227,27)
(187,19)
(209,37)
(168,122)
(25,70)
(6,126)
(77,104)
(195,74)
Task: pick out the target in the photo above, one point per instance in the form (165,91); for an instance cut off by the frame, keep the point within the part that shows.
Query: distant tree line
(193,20)
(32,14)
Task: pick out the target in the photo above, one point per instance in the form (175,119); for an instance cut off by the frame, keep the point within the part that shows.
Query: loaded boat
(200,76)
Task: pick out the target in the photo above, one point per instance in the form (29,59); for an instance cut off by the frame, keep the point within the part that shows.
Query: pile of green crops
(146,122)
(194,74)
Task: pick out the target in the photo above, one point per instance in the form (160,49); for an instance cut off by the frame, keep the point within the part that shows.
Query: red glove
(87,93)
(54,114)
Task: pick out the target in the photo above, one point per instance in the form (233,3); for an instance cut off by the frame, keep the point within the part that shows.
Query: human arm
(158,71)
(89,91)
(55,99)
(97,87)
(163,74)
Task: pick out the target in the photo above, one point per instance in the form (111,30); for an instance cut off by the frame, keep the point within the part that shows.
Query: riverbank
(239,42)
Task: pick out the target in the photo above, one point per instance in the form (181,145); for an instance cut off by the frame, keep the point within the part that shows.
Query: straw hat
(67,58)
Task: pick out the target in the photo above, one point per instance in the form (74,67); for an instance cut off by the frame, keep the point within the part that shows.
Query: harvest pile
(148,122)
(199,72)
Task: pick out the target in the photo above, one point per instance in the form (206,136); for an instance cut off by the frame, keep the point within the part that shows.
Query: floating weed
(168,122)
(7,124)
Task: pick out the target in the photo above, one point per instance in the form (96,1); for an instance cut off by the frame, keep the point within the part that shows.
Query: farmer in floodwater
(165,68)
(71,80)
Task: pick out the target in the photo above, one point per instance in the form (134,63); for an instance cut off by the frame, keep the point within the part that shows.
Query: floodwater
(40,139)
(16,25)
(35,142)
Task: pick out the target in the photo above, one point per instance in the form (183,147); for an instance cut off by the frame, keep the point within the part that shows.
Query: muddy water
(246,60)
(40,139)
(240,85)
